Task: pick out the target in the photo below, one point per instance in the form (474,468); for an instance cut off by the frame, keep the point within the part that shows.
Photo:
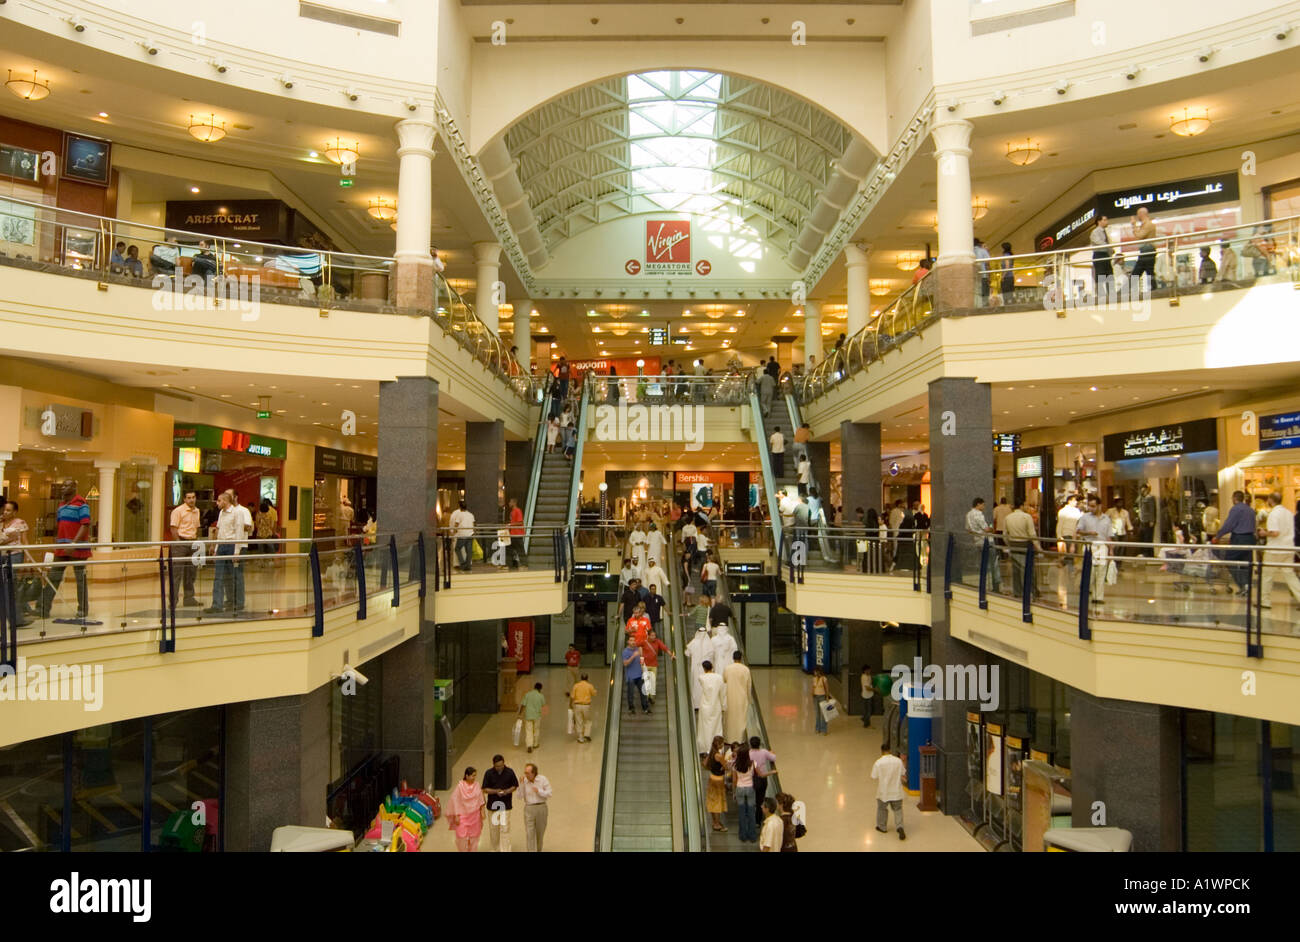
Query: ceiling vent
(371,24)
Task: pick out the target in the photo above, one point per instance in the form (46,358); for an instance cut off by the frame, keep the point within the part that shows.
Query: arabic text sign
(668,247)
(1178,439)
(1279,431)
(1180,194)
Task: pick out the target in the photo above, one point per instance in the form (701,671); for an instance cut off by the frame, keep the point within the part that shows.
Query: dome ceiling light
(879,286)
(338,152)
(908,261)
(383,209)
(209,131)
(979,208)
(1023,155)
(1190,125)
(28,89)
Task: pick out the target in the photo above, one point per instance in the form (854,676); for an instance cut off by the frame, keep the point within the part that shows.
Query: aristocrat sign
(668,247)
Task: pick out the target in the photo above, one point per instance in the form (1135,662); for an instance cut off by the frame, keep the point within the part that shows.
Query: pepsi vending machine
(816,639)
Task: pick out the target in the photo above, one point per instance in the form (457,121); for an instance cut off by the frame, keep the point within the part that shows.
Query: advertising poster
(1013,773)
(993,759)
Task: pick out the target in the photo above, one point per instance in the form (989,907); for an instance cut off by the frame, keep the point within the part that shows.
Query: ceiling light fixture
(382,208)
(209,132)
(338,152)
(908,261)
(1190,125)
(28,89)
(979,208)
(879,286)
(1023,155)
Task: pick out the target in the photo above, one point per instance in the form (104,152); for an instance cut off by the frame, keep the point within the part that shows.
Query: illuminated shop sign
(668,247)
(1030,466)
(1279,431)
(1007,442)
(1179,439)
(211,438)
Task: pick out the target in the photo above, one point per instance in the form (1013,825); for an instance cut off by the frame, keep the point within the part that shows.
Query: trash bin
(929,778)
(1088,840)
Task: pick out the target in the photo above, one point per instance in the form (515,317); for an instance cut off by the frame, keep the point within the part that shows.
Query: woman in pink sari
(465,816)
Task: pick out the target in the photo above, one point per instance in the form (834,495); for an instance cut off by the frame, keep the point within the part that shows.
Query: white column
(107,492)
(5,457)
(952,157)
(523,331)
(414,269)
(157,503)
(812,331)
(855,260)
(487,255)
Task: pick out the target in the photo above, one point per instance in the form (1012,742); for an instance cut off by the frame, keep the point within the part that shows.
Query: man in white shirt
(655,545)
(701,548)
(888,773)
(977,525)
(636,548)
(462,528)
(709,574)
(1067,525)
(1094,530)
(803,469)
(228,578)
(690,539)
(776,445)
(536,790)
(1280,533)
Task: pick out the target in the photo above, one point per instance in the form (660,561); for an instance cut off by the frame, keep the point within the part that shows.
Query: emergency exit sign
(345,181)
(263,415)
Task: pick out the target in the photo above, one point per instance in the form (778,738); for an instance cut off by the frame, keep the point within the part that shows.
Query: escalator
(824,546)
(552,491)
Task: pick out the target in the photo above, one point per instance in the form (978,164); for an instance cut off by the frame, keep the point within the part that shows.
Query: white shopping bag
(569,728)
(830,709)
(1112,573)
(648,683)
(517,732)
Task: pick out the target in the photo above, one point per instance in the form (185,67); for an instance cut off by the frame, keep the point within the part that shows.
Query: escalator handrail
(539,449)
(580,432)
(830,551)
(765,463)
(609,768)
(692,796)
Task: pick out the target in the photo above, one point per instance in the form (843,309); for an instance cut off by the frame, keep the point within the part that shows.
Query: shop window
(135,501)
(1284,744)
(107,771)
(186,769)
(1223,800)
(1282,200)
(31,786)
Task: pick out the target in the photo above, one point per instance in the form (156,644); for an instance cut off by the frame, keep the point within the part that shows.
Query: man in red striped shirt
(650,648)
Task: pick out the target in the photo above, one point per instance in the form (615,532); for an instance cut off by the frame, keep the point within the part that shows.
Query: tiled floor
(831,775)
(572,768)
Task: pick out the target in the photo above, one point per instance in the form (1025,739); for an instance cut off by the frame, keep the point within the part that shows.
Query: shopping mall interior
(930,370)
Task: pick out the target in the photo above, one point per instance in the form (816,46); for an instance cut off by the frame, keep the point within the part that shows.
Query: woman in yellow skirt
(715,798)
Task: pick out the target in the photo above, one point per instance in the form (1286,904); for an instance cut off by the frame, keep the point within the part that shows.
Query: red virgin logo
(668,241)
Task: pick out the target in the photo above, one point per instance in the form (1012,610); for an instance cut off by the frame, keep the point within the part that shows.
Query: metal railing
(156,585)
(539,451)
(765,466)
(1088,276)
(1218,586)
(901,554)
(727,389)
(604,839)
(575,484)
(235,273)
(488,548)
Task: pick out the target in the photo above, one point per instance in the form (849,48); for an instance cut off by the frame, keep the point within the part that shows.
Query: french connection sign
(641,423)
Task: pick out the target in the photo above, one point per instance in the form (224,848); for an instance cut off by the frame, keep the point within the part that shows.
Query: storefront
(1180,465)
(1046,476)
(708,489)
(116,454)
(1275,467)
(907,479)
(209,460)
(340,476)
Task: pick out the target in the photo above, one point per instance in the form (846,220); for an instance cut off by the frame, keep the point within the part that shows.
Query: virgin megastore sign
(668,247)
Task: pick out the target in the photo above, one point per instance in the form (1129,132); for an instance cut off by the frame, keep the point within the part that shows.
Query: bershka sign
(668,247)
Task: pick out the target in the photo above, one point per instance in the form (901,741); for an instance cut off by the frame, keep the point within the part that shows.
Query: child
(552,433)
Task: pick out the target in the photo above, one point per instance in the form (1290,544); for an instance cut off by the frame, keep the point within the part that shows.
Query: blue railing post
(397,579)
(1085,591)
(1255,600)
(318,595)
(359,564)
(916,562)
(166,639)
(947,566)
(8,614)
(1027,589)
(420,560)
(984,571)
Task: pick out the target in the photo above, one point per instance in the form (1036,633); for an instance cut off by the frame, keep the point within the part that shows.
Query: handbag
(517,732)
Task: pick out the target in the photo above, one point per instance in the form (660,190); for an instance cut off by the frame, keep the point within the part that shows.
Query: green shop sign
(223,439)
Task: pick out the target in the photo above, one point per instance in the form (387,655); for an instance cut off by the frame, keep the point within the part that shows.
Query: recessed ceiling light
(312,153)
(103,114)
(194,189)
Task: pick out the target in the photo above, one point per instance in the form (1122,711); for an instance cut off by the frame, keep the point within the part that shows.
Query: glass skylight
(672,131)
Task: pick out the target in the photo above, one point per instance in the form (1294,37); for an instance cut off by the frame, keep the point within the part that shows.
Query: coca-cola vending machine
(519,643)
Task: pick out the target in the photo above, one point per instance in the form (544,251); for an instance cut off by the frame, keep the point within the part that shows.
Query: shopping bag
(1112,574)
(830,709)
(517,732)
(569,727)
(503,537)
(477,549)
(648,683)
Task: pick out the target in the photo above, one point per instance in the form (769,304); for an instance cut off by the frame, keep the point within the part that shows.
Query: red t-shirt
(516,517)
(71,517)
(573,658)
(650,651)
(637,626)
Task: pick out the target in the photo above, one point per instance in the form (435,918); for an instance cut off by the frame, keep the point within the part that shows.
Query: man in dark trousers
(499,784)
(1239,527)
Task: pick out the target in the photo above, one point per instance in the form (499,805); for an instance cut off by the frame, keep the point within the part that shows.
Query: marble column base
(413,285)
(954,286)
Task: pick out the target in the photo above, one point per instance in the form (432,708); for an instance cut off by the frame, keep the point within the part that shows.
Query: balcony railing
(901,554)
(235,274)
(1086,277)
(499,548)
(152,586)
(729,389)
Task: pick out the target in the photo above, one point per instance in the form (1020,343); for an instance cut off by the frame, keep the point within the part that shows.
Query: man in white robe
(736,714)
(655,544)
(713,700)
(724,645)
(655,575)
(698,651)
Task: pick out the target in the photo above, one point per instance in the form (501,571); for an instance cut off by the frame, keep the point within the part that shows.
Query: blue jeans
(228,571)
(631,685)
(745,809)
(464,552)
(1240,573)
(818,700)
(710,587)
